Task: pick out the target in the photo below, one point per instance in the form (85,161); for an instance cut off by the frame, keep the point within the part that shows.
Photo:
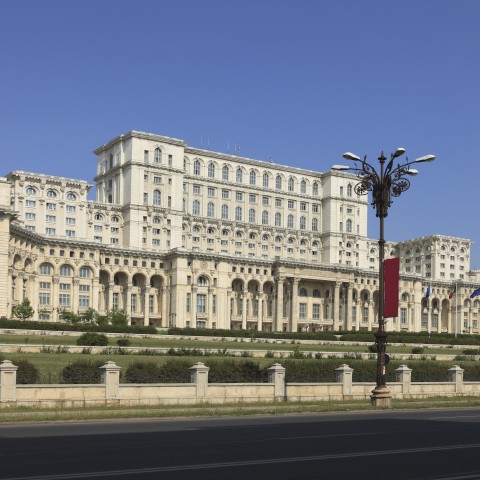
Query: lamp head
(340,167)
(425,158)
(351,156)
(411,171)
(398,152)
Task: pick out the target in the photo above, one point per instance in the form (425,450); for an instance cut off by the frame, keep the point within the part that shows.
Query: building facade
(179,236)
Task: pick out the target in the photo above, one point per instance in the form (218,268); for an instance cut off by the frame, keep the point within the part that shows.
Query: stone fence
(199,390)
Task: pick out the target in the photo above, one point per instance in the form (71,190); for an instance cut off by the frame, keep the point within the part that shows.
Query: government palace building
(179,236)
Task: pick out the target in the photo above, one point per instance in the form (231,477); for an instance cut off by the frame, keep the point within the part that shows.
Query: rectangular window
(71,208)
(291,204)
(196,189)
(51,206)
(50,231)
(214,304)
(226,194)
(303,206)
(303,310)
(65,286)
(157,180)
(239,196)
(113,240)
(115,301)
(51,218)
(316,311)
(151,303)
(30,203)
(252,198)
(44,298)
(84,288)
(315,208)
(188,302)
(133,302)
(64,300)
(278,202)
(70,233)
(83,301)
(403,316)
(97,239)
(45,285)
(265,200)
(29,216)
(70,221)
(211,192)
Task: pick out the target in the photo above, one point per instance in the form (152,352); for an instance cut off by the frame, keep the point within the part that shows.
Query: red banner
(391,269)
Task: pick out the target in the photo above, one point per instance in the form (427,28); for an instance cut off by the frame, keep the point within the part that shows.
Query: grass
(22,414)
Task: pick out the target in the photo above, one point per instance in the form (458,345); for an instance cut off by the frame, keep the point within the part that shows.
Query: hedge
(79,327)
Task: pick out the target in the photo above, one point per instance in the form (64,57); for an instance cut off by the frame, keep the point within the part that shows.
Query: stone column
(74,305)
(111,286)
(276,375)
(336,306)
(35,295)
(8,381)
(55,299)
(455,374)
(210,308)
(294,306)
(128,308)
(345,376)
(164,305)
(110,375)
(260,313)
(244,309)
(95,294)
(146,306)
(403,374)
(199,376)
(279,305)
(349,306)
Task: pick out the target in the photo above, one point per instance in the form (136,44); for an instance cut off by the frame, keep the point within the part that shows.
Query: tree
(117,317)
(24,310)
(89,315)
(70,317)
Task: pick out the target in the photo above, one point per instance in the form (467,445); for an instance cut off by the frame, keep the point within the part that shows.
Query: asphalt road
(433,444)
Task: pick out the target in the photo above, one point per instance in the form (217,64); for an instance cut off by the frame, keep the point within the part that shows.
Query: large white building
(179,236)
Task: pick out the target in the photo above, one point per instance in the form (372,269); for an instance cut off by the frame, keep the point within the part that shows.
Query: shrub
(27,372)
(92,339)
(150,372)
(82,372)
(123,342)
(372,348)
(417,350)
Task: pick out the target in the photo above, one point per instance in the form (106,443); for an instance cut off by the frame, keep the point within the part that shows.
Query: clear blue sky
(299,81)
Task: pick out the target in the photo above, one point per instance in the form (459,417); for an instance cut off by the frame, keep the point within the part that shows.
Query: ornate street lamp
(390,182)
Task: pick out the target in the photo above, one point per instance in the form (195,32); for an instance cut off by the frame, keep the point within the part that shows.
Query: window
(30,203)
(303,223)
(50,231)
(211,170)
(349,190)
(45,269)
(196,167)
(201,303)
(238,214)
(253,177)
(251,215)
(290,221)
(51,206)
(225,194)
(278,182)
(211,192)
(239,175)
(239,196)
(145,198)
(44,298)
(196,189)
(51,218)
(265,181)
(196,207)
(315,188)
(264,218)
(314,224)
(265,200)
(30,191)
(252,198)
(85,272)
(291,204)
(64,300)
(157,197)
(71,208)
(51,194)
(224,212)
(303,186)
(157,156)
(278,220)
(303,206)
(349,226)
(70,221)
(210,210)
(29,216)
(316,311)
(278,202)
(83,301)
(65,271)
(70,233)
(71,196)
(291,185)
(225,173)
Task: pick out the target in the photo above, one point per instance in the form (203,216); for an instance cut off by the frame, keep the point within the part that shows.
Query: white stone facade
(188,237)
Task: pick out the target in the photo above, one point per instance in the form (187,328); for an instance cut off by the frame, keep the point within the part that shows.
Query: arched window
(157,197)
(225,173)
(291,185)
(349,226)
(114,219)
(239,234)
(98,217)
(30,191)
(253,177)
(211,170)
(290,221)
(303,186)
(252,236)
(71,196)
(157,156)
(314,224)
(65,270)
(316,293)
(196,229)
(45,269)
(51,194)
(210,209)
(278,239)
(238,214)
(202,282)
(239,175)
(278,182)
(185,164)
(196,167)
(302,292)
(315,188)
(196,207)
(265,237)
(85,272)
(251,215)
(303,242)
(303,223)
(349,190)
(156,220)
(278,219)
(266,180)
(224,212)
(264,217)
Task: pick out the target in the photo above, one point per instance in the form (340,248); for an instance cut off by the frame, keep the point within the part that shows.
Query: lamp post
(389,182)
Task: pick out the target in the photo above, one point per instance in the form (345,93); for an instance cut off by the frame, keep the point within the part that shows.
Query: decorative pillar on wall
(294,305)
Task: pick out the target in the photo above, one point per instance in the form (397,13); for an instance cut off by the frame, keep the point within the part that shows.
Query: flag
(390,282)
(453,292)
(475,293)
(428,292)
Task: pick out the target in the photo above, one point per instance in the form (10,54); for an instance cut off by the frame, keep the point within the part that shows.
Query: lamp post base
(381,397)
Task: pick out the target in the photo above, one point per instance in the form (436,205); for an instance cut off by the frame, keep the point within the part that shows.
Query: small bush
(471,351)
(417,350)
(123,342)
(27,372)
(82,372)
(92,339)
(372,348)
(150,372)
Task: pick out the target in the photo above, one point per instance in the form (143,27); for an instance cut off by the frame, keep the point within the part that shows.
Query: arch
(203,281)
(238,214)
(85,272)
(239,175)
(303,186)
(45,268)
(139,280)
(237,285)
(157,198)
(316,293)
(51,193)
(253,287)
(264,217)
(210,209)
(120,278)
(253,177)
(30,190)
(291,184)
(302,292)
(278,182)
(71,196)
(224,212)
(196,167)
(266,180)
(278,219)
(65,270)
(157,156)
(315,189)
(226,173)
(211,169)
